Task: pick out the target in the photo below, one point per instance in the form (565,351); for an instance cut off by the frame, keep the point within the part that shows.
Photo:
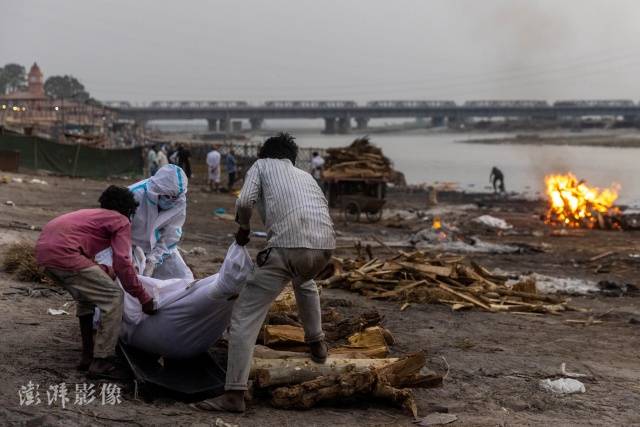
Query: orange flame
(437,224)
(574,204)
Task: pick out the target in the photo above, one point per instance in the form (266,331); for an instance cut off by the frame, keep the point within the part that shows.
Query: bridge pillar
(344,125)
(362,122)
(225,125)
(212,125)
(256,124)
(437,121)
(329,125)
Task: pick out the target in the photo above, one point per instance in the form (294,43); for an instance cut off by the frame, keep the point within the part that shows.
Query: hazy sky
(255,50)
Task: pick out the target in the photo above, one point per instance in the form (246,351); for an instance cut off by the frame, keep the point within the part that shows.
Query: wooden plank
(465,297)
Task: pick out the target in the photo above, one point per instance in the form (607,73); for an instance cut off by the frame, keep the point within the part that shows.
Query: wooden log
(263,352)
(283,335)
(274,372)
(343,328)
(380,383)
(370,343)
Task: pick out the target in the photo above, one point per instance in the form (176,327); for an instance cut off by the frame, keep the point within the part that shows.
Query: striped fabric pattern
(292,206)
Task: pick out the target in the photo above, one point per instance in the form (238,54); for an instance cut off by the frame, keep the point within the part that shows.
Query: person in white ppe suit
(157,225)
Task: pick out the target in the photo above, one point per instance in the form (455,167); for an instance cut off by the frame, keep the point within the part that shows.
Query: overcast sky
(142,50)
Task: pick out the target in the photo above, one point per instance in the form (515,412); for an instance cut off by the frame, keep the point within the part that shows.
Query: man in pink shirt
(66,249)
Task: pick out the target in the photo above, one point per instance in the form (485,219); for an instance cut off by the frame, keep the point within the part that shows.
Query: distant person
(213,167)
(66,249)
(152,161)
(231,166)
(162,159)
(172,153)
(317,166)
(184,159)
(497,179)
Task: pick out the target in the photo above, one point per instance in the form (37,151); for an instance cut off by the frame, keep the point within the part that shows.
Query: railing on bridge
(411,104)
(518,103)
(595,103)
(311,104)
(198,104)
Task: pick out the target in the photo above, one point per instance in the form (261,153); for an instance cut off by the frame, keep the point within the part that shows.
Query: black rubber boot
(86,332)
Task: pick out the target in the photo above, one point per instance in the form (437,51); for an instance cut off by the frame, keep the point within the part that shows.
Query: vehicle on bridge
(519,103)
(310,104)
(595,103)
(411,104)
(116,104)
(198,104)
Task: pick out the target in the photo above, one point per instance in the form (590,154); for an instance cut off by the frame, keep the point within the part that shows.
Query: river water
(444,157)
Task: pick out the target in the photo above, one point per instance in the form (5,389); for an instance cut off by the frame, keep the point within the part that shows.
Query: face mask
(165,203)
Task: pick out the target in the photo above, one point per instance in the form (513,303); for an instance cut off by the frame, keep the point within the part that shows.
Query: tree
(67,87)
(12,77)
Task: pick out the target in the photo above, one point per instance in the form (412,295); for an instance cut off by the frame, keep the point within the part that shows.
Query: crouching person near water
(66,249)
(300,241)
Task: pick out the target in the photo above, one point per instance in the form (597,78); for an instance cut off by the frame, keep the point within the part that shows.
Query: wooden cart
(355,196)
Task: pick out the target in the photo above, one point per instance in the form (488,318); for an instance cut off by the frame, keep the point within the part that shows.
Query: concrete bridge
(340,116)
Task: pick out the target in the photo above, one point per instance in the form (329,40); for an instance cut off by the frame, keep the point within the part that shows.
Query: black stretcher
(185,379)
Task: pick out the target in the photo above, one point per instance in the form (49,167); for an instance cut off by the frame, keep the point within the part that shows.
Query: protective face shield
(167,202)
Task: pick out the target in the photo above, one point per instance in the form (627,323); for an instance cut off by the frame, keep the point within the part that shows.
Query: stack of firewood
(358,366)
(359,160)
(417,277)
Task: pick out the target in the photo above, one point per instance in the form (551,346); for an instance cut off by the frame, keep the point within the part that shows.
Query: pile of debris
(417,277)
(358,365)
(360,160)
(20,260)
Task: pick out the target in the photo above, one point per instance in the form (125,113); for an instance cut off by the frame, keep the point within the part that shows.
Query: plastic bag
(563,386)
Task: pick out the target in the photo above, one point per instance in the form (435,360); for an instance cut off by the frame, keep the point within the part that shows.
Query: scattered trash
(564,373)
(38,181)
(4,179)
(563,386)
(82,193)
(436,419)
(261,234)
(565,285)
(493,222)
(221,213)
(221,423)
(56,312)
(431,238)
(198,250)
(613,289)
(17,180)
(9,203)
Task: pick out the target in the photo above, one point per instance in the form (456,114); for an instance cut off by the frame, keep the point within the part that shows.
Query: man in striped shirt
(300,240)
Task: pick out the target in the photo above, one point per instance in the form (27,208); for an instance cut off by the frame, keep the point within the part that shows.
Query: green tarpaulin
(73,160)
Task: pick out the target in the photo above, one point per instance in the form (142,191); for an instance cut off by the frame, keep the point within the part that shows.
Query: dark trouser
(232,180)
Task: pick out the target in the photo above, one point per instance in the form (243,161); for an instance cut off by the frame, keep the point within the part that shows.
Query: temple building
(34,90)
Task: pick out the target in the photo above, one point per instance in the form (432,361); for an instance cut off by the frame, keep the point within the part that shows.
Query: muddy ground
(495,360)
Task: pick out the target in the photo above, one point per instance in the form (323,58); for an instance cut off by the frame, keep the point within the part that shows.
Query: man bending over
(66,249)
(299,245)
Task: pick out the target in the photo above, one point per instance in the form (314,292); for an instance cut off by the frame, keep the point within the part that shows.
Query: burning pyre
(572,203)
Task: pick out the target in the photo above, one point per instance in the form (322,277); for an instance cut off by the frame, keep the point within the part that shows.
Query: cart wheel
(352,212)
(374,216)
